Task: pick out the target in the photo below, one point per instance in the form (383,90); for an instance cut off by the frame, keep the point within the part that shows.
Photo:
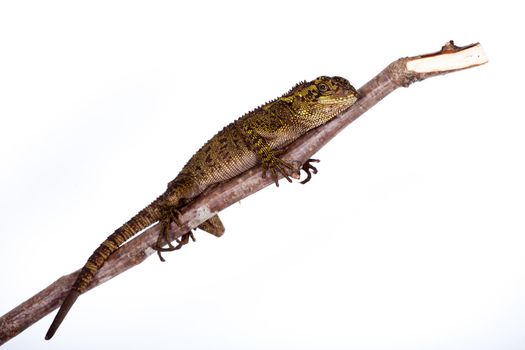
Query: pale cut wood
(449,59)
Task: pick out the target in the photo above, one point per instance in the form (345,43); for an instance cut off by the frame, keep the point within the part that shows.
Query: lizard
(258,138)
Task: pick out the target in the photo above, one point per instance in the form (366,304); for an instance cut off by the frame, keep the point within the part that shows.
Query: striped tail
(139,222)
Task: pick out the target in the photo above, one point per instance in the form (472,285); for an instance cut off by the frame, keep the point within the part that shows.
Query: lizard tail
(139,222)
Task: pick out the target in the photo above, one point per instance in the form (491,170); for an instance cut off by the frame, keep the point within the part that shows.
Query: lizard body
(258,137)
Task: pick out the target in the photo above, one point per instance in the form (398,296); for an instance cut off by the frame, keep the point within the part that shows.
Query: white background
(412,236)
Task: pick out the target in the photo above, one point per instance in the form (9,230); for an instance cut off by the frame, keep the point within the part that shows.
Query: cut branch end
(450,58)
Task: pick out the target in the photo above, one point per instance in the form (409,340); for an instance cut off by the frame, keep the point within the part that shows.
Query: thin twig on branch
(400,73)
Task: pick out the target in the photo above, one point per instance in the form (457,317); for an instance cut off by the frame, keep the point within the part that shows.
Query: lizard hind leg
(170,215)
(213,225)
(182,189)
(181,241)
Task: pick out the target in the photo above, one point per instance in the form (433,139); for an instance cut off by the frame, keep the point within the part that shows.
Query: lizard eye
(322,87)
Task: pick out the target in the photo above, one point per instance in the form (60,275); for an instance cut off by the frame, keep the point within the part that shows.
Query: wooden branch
(400,73)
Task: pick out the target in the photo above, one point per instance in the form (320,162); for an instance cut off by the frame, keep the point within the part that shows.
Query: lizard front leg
(271,162)
(269,157)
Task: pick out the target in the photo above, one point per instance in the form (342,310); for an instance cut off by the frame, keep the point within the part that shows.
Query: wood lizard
(257,138)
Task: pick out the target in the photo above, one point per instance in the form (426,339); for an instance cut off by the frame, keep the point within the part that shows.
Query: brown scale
(258,137)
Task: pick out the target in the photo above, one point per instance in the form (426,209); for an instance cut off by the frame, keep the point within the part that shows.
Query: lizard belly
(221,158)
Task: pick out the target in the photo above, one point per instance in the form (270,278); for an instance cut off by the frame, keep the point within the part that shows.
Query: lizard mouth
(346,99)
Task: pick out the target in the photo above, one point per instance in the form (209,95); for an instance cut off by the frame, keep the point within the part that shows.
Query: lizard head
(322,98)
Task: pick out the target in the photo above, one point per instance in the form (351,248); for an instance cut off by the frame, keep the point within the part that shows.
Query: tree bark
(400,73)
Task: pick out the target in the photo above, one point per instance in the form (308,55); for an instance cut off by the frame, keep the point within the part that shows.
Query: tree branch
(400,73)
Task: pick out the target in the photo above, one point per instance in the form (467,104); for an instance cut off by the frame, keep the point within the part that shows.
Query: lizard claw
(276,165)
(309,169)
(184,239)
(170,215)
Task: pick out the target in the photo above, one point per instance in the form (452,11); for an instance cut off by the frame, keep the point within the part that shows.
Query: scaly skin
(258,137)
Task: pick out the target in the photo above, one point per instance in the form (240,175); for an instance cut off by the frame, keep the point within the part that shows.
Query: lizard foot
(309,169)
(276,165)
(171,214)
(181,241)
